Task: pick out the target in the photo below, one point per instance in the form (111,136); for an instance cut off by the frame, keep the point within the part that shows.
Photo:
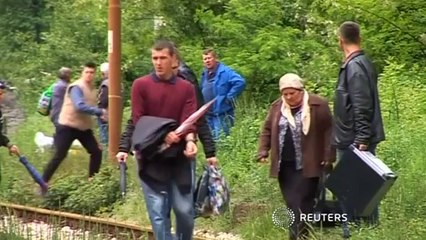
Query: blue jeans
(159,205)
(220,123)
(103,132)
(374,217)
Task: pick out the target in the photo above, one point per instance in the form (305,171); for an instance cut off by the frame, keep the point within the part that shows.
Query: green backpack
(45,101)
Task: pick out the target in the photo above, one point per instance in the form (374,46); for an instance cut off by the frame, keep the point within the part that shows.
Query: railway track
(111,228)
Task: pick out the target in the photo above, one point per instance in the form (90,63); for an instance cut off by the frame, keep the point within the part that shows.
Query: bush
(61,191)
(76,194)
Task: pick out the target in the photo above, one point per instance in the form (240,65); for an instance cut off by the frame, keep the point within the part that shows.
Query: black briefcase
(360,181)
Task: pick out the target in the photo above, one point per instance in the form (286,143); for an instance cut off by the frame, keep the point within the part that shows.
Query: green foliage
(10,236)
(61,191)
(240,165)
(86,197)
(260,39)
(19,191)
(392,28)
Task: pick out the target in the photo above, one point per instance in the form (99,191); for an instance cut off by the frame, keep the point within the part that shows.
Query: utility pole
(114,93)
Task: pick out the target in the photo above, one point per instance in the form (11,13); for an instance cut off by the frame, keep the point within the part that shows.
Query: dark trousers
(56,125)
(299,196)
(63,139)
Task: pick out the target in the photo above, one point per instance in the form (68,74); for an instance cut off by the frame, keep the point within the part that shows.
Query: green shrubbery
(10,236)
(77,194)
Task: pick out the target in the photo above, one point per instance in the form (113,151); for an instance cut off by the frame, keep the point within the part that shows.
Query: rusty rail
(119,230)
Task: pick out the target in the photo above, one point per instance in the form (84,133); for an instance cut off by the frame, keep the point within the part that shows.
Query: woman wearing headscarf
(297,134)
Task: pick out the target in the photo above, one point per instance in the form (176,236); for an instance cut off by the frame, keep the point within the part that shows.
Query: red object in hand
(190,121)
(194,118)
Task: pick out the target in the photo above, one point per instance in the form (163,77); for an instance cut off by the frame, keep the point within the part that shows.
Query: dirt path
(13,113)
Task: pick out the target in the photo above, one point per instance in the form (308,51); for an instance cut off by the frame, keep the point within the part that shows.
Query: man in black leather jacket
(357,113)
(204,132)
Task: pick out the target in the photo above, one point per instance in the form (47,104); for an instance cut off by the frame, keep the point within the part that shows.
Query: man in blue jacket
(222,82)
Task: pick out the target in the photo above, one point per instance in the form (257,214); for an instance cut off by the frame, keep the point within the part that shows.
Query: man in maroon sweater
(167,182)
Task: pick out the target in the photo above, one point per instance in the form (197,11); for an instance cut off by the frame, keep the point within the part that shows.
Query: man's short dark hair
(90,65)
(350,32)
(210,51)
(165,44)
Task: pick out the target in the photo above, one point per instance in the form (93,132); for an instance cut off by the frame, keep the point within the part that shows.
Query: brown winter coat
(316,145)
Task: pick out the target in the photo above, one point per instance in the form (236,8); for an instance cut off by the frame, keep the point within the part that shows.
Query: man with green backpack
(51,100)
(59,89)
